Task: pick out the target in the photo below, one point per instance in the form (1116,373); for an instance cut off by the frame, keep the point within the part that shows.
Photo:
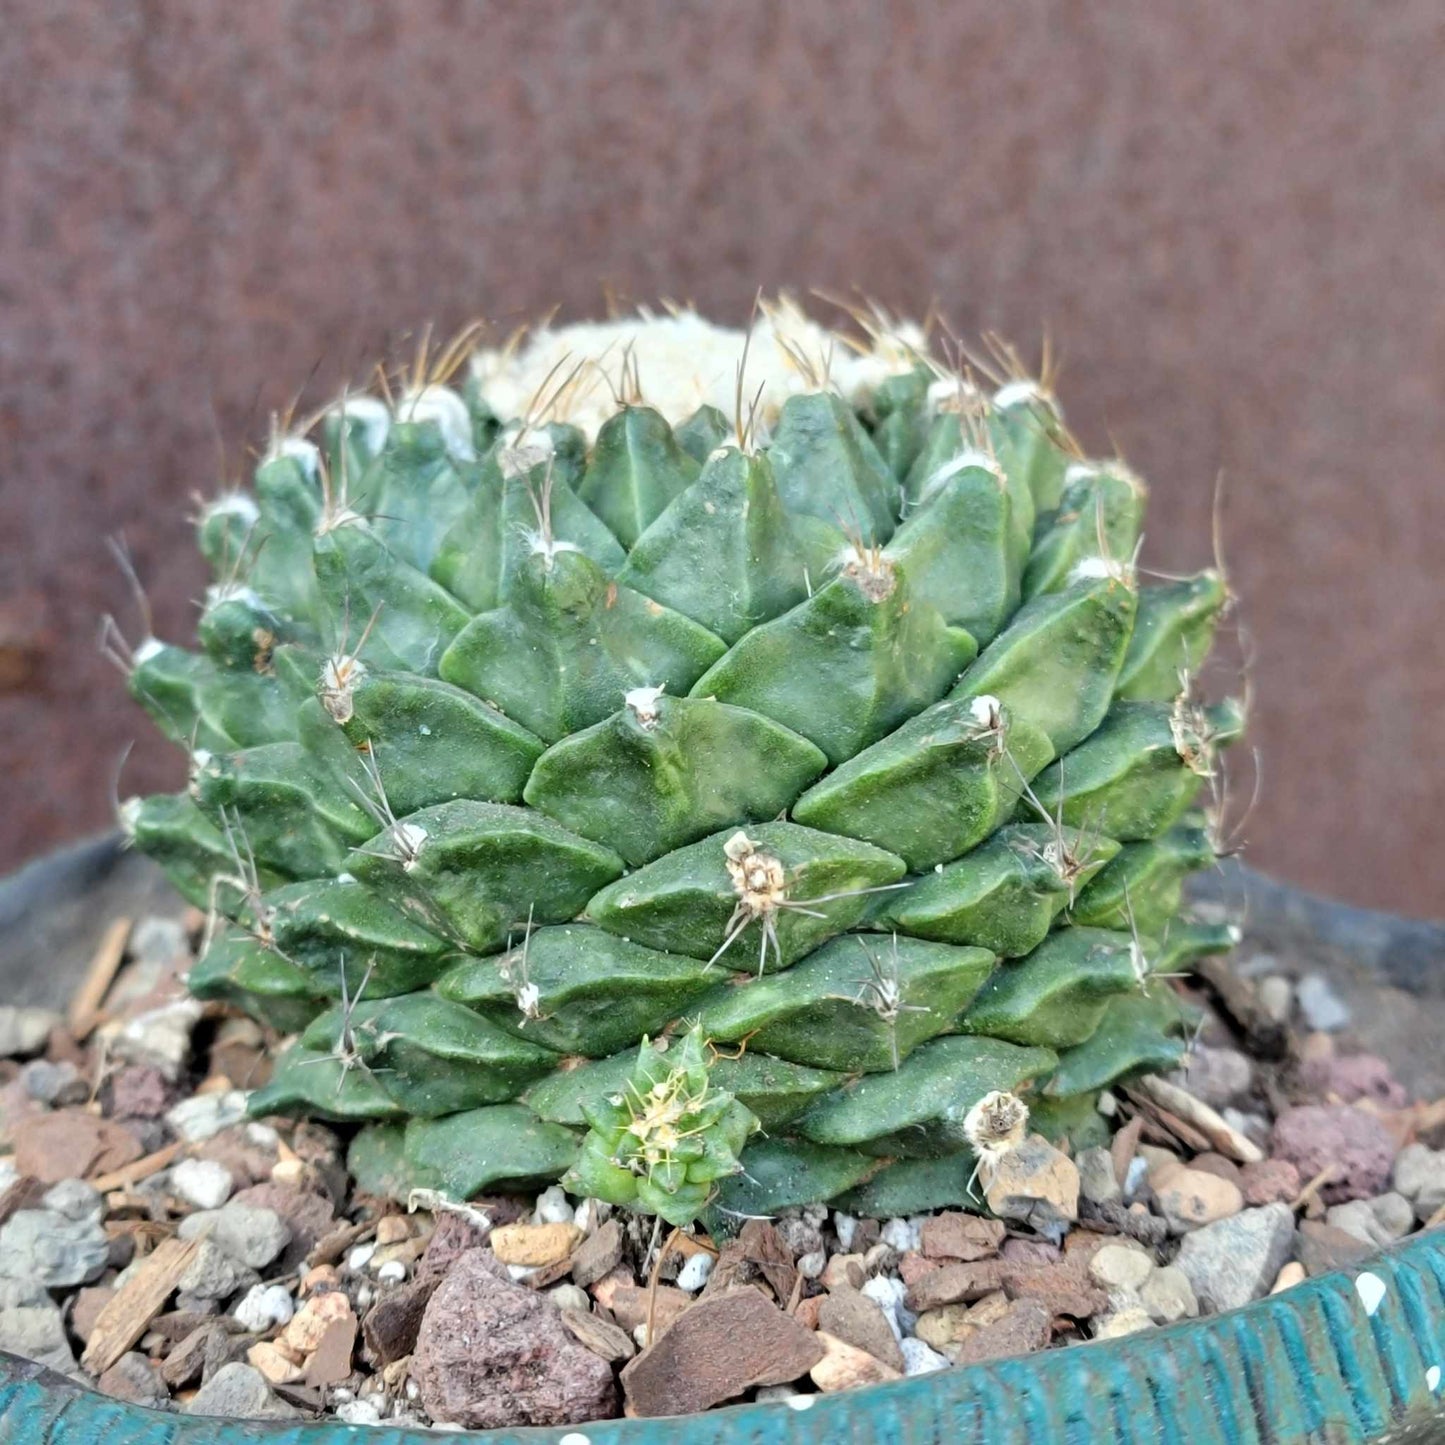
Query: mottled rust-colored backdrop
(1229,217)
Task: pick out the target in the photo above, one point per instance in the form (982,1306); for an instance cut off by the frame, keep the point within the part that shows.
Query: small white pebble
(919,1359)
(392,1272)
(694,1272)
(360,1257)
(590,1213)
(574,1437)
(639,1335)
(413,1390)
(810,1265)
(1136,1176)
(774,1392)
(888,1294)
(801,1402)
(359,1412)
(1432,1378)
(364,1295)
(264,1305)
(202,1182)
(570,1297)
(553,1208)
(262,1135)
(901,1234)
(1371,1290)
(519,1272)
(845,1226)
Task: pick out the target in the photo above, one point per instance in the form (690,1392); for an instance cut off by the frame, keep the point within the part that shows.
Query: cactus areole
(700,767)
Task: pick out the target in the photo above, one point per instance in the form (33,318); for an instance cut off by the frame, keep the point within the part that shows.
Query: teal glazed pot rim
(1354,1356)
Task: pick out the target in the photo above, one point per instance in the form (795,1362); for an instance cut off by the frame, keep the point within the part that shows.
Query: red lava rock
(957,1283)
(491,1355)
(391,1324)
(598,1254)
(1218,1165)
(1355,1077)
(139,1091)
(1314,1136)
(309,1215)
(912,1267)
(1064,1288)
(857,1321)
(455,1234)
(965,1237)
(806,1313)
(1031,1251)
(70,1144)
(1269,1182)
(722,1346)
(1023,1328)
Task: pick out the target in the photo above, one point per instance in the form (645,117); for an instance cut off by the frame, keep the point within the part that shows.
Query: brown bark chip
(126,1318)
(391,1324)
(723,1345)
(598,1254)
(956,1282)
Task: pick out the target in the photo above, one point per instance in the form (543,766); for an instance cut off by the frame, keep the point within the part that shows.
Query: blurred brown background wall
(1229,216)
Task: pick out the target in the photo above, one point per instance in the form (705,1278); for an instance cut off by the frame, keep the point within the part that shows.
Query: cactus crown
(709,767)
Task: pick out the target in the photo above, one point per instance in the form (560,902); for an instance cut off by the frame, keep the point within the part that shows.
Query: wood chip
(1226,1140)
(143,1168)
(125,1319)
(84,1011)
(333,1244)
(600,1336)
(1124,1147)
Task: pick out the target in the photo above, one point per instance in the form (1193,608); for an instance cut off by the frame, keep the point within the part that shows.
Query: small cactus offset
(699,768)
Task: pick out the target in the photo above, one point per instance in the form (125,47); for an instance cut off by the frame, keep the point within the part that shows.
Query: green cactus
(583,781)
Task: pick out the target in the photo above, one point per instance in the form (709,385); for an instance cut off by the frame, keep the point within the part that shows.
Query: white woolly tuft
(682,362)
(441,405)
(370,415)
(961,462)
(127,815)
(410,837)
(641,702)
(1092,569)
(234,504)
(147,649)
(306,453)
(1017,393)
(219,592)
(984,709)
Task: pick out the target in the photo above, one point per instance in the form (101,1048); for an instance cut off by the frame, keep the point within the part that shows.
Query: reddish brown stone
(87,1307)
(491,1355)
(598,1254)
(913,1267)
(1270,1181)
(955,1283)
(758,1254)
(856,1320)
(391,1324)
(71,1144)
(724,1345)
(330,1362)
(1064,1288)
(966,1237)
(606,1340)
(1353,1142)
(1024,1327)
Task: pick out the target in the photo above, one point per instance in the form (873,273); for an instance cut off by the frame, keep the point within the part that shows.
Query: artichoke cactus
(833,746)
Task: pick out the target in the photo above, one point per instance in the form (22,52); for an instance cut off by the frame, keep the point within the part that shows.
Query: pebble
(264,1306)
(1136,1177)
(1292,1274)
(56,1084)
(1254,1127)
(392,1272)
(1218,1077)
(23,1031)
(695,1272)
(276,1365)
(491,1354)
(799,1234)
(36,1331)
(810,1265)
(1419,1175)
(250,1235)
(358,1412)
(1322,1247)
(160,1037)
(135,1380)
(1355,1077)
(202,1183)
(1192,1198)
(53,1249)
(1269,1181)
(553,1207)
(1038,1185)
(1116,1266)
(1097,1181)
(303,1334)
(861,1322)
(534,1245)
(570,1297)
(360,1256)
(1115,1326)
(1233,1261)
(238,1392)
(206,1115)
(75,1199)
(1352,1141)
(1168,1296)
(845,1226)
(1276,998)
(1323,1009)
(845,1366)
(1023,1327)
(902,1235)
(889,1294)
(918,1359)
(213,1274)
